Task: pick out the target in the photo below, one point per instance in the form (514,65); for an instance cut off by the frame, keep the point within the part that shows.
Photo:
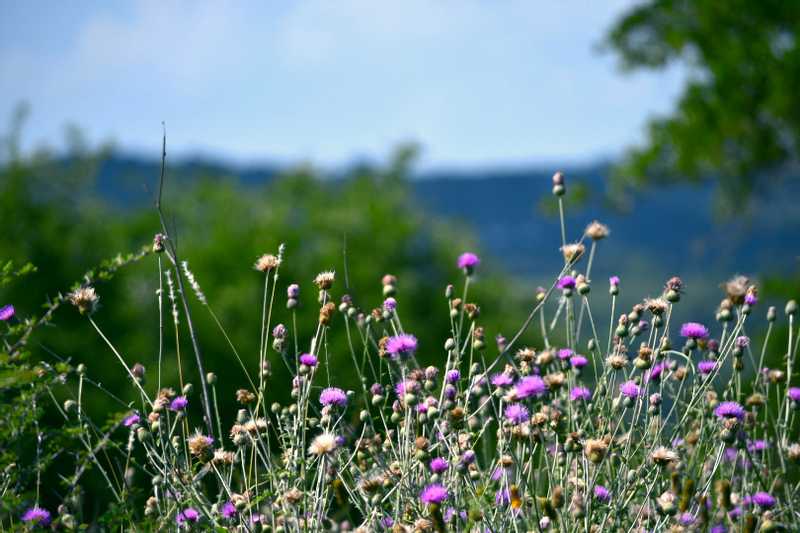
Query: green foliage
(738,117)
(360,224)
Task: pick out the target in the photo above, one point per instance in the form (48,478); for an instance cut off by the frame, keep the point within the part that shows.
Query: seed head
(85,299)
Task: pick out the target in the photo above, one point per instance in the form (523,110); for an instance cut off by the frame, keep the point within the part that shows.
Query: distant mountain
(669,230)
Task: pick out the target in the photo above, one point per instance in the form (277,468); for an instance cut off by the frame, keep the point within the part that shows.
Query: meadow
(346,420)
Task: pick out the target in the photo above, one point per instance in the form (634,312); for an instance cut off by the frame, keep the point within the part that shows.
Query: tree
(738,118)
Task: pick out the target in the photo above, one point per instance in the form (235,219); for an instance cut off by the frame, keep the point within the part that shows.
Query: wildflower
(578,361)
(663,456)
(566,283)
(517,413)
(403,345)
(764,500)
(686,519)
(452,376)
(719,528)
(433,494)
(580,394)
(293,291)
(694,330)
(751,298)
(228,510)
(706,367)
(757,446)
(308,360)
(390,304)
(244,396)
(131,419)
(85,299)
(6,312)
(729,410)
(657,306)
(565,353)
(530,386)
(267,262)
(502,379)
(572,252)
(37,516)
(794,394)
(742,341)
(630,389)
(323,444)
(595,449)
(617,362)
(324,280)
(199,444)
(736,288)
(468,261)
(602,494)
(179,403)
(224,457)
(333,396)
(190,514)
(614,281)
(597,231)
(438,465)
(158,242)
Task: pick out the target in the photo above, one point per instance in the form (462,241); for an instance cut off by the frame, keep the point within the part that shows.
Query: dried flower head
(323,444)
(267,262)
(573,252)
(597,231)
(663,456)
(324,280)
(199,444)
(85,299)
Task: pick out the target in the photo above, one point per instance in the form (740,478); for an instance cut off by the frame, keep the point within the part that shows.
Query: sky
(475,83)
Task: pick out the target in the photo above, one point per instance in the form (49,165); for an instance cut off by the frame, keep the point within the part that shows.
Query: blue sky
(476,83)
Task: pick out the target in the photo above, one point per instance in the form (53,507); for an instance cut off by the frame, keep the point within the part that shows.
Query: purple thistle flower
(6,312)
(408,386)
(450,392)
(686,519)
(333,396)
(468,457)
(706,367)
(566,282)
(293,291)
(308,359)
(764,500)
(189,514)
(729,410)
(578,361)
(694,330)
(794,394)
(517,413)
(530,386)
(602,494)
(37,516)
(433,494)
(757,446)
(654,374)
(630,389)
(468,261)
(387,522)
(376,388)
(131,419)
(580,394)
(564,353)
(403,345)
(750,299)
(179,403)
(452,376)
(743,341)
(390,304)
(502,497)
(438,465)
(502,380)
(613,281)
(719,528)
(279,331)
(228,510)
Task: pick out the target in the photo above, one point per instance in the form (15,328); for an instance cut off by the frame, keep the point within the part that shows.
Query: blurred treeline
(364,223)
